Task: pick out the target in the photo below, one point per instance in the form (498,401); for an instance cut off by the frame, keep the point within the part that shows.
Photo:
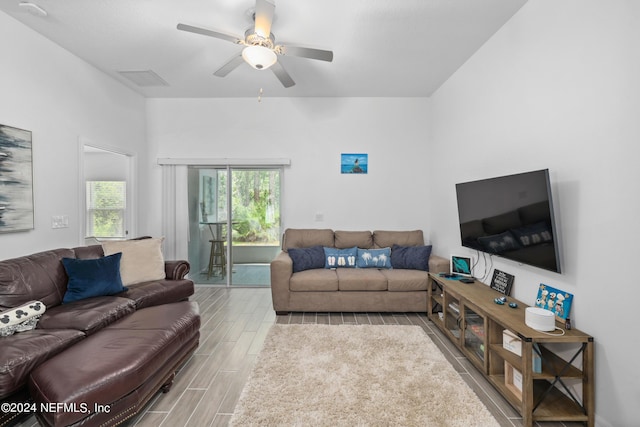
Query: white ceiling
(382,48)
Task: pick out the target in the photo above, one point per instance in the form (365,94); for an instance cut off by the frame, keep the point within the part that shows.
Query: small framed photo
(557,301)
(502,281)
(461,265)
(357,163)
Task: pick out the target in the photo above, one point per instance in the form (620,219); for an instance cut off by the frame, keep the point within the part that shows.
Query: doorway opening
(234,224)
(106,194)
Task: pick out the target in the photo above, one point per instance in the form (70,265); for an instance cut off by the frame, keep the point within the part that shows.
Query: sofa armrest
(438,264)
(281,272)
(176,270)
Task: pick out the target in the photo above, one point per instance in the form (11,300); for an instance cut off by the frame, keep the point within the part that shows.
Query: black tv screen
(512,217)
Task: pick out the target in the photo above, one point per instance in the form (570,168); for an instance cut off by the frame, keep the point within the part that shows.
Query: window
(106,205)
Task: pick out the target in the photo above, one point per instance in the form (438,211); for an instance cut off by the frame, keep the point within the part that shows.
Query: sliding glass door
(234,224)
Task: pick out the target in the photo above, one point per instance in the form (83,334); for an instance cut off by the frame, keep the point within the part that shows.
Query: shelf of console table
(454,307)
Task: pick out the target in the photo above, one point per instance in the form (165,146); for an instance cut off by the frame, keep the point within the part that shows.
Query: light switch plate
(60,221)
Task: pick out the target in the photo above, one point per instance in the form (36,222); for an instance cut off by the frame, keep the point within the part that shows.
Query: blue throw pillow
(410,257)
(374,258)
(92,277)
(307,258)
(334,258)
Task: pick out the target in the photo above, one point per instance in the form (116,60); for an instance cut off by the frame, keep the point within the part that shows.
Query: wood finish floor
(234,325)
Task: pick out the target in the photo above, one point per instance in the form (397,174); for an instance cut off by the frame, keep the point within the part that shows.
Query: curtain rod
(224,161)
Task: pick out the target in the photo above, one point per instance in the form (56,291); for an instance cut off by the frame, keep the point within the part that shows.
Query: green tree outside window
(106,206)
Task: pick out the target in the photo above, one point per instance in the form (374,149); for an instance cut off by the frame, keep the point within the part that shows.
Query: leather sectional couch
(113,352)
(346,284)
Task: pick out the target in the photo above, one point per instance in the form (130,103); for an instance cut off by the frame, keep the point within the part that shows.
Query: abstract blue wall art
(354,163)
(16,180)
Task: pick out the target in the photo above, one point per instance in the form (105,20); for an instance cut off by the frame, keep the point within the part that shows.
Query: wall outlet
(60,221)
(319,217)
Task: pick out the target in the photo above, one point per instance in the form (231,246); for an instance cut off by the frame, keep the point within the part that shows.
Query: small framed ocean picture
(354,163)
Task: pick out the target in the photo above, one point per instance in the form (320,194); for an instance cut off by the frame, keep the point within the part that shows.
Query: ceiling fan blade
(282,75)
(229,66)
(210,33)
(307,52)
(264,17)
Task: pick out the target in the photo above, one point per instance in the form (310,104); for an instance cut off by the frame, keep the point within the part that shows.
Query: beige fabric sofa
(350,289)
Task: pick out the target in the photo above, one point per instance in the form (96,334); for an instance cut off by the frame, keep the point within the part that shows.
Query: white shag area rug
(356,375)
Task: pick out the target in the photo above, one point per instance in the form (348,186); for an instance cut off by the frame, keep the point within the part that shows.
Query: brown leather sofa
(130,343)
(322,289)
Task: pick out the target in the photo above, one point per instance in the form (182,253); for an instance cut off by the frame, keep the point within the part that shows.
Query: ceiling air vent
(145,78)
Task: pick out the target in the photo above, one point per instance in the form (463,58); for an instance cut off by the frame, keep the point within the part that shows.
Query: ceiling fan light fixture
(259,57)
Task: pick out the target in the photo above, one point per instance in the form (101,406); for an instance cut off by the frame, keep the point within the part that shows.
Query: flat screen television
(512,217)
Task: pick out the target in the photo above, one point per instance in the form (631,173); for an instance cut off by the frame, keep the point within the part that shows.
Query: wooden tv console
(468,315)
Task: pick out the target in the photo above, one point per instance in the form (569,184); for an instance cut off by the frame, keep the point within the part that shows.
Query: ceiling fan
(260,49)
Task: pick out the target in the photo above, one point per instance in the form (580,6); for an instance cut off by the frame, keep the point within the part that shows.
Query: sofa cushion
(305,237)
(157,292)
(38,277)
(348,239)
(323,280)
(307,258)
(87,315)
(142,260)
(374,258)
(21,353)
(383,239)
(361,279)
(92,277)
(399,280)
(411,257)
(119,361)
(344,258)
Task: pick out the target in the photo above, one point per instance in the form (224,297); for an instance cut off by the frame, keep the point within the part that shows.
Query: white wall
(558,87)
(312,133)
(555,88)
(104,166)
(60,98)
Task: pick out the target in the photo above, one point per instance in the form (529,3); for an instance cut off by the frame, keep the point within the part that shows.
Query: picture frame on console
(462,265)
(502,281)
(555,300)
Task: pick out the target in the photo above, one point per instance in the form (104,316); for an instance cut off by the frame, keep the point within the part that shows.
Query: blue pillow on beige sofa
(411,257)
(307,258)
(345,258)
(374,258)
